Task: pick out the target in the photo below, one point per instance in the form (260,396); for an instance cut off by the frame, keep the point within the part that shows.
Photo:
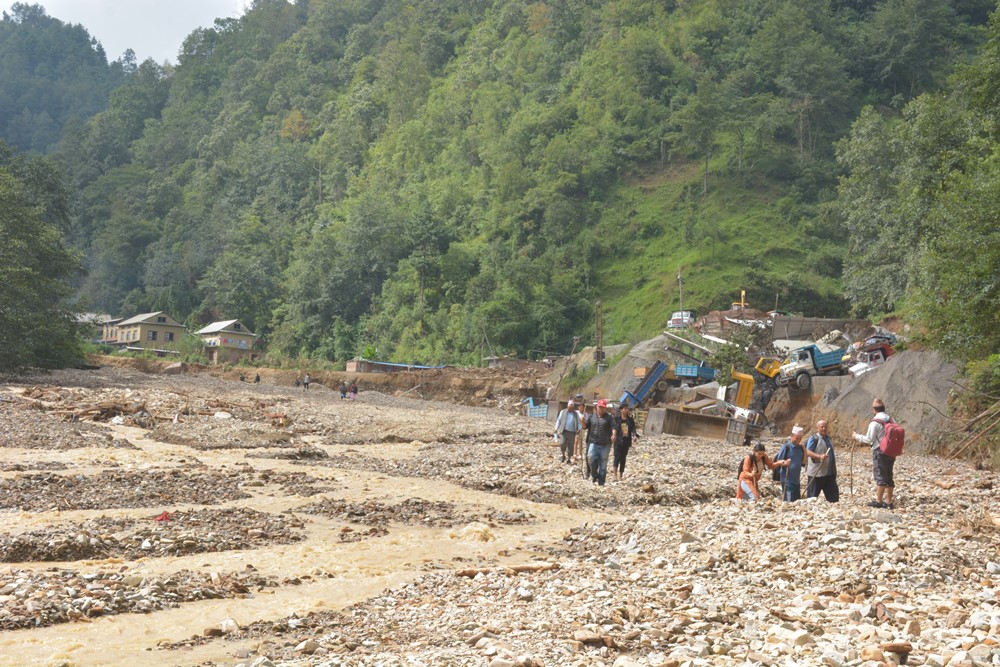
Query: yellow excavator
(768,367)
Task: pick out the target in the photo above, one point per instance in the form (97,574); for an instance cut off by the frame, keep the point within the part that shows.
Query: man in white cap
(568,425)
(795,453)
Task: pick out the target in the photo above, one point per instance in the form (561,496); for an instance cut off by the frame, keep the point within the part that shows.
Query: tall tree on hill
(50,72)
(36,327)
(698,122)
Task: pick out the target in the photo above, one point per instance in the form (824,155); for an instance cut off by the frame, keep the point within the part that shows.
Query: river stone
(308,646)
(872,653)
(229,626)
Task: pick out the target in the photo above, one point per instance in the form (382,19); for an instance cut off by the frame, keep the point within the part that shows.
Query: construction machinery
(661,375)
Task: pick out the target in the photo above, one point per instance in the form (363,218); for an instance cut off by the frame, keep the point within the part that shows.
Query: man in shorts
(881,463)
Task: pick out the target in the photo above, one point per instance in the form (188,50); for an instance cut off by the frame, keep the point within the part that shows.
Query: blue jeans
(598,455)
(792,492)
(748,493)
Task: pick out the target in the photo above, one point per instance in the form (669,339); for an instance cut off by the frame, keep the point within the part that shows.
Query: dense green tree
(50,72)
(909,44)
(699,121)
(36,324)
(958,290)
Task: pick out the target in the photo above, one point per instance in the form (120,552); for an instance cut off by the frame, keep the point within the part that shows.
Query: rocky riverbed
(194,521)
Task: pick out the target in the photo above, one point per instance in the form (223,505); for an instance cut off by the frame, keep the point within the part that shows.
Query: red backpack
(893,438)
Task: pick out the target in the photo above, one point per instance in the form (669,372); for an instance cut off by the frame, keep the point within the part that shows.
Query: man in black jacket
(602,430)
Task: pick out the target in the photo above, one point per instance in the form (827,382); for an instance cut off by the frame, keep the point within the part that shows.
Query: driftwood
(514,569)
(278,418)
(968,442)
(102,411)
(793,619)
(226,405)
(985,414)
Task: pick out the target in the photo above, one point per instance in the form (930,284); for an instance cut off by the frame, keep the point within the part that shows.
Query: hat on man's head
(602,403)
(570,404)
(798,430)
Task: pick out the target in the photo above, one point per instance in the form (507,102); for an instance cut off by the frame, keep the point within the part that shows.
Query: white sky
(152,28)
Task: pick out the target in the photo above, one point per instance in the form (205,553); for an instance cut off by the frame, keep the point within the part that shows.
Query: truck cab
(805,362)
(870,360)
(681,319)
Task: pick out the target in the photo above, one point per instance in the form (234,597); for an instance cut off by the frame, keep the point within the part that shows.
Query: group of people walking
(817,454)
(600,435)
(305,381)
(820,462)
(607,435)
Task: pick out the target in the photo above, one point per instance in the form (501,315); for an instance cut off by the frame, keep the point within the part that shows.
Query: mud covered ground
(234,524)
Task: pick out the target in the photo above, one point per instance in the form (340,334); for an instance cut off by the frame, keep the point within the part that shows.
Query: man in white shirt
(567,428)
(881,464)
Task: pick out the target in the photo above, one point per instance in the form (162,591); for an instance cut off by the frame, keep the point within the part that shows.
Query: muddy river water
(333,573)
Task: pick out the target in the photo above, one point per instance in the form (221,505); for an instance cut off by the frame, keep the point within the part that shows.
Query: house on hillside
(226,341)
(157,332)
(109,331)
(92,325)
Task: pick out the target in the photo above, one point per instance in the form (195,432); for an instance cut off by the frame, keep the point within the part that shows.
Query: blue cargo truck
(698,373)
(661,372)
(802,364)
(646,387)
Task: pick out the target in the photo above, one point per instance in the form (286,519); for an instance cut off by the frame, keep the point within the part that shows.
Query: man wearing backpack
(884,452)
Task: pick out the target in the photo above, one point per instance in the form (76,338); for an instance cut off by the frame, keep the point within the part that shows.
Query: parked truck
(646,386)
(694,373)
(802,364)
(660,376)
(864,360)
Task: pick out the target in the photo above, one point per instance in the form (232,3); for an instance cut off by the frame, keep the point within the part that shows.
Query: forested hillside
(423,177)
(51,73)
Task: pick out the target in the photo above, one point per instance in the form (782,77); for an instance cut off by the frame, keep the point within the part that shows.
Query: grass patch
(735,237)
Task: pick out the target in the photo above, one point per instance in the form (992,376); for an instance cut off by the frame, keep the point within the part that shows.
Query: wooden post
(853,447)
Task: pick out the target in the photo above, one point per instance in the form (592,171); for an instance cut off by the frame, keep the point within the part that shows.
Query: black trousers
(827,484)
(621,453)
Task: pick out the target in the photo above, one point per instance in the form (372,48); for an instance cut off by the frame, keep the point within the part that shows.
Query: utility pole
(680,288)
(598,334)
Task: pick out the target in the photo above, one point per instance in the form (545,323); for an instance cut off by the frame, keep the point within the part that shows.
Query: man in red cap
(602,430)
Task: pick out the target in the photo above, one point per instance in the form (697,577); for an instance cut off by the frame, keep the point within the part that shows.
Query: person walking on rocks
(305,382)
(881,463)
(354,391)
(580,451)
(626,434)
(822,475)
(602,429)
(753,466)
(568,425)
(795,453)
(343,390)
